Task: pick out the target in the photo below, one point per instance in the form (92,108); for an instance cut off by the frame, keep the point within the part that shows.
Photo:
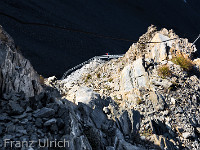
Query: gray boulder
(45,113)
(15,108)
(98,117)
(134,76)
(125,123)
(50,122)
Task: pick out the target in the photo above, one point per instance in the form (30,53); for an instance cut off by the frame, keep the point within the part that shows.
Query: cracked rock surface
(16,72)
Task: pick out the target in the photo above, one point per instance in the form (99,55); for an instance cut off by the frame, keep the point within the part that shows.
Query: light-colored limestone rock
(51,79)
(188,134)
(126,80)
(159,50)
(173,101)
(157,100)
(86,95)
(134,76)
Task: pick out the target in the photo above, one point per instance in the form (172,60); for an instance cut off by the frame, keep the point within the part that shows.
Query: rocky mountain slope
(148,99)
(158,79)
(34,116)
(124,19)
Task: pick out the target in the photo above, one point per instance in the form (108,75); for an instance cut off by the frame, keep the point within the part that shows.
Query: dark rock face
(125,123)
(45,112)
(15,107)
(80,125)
(16,72)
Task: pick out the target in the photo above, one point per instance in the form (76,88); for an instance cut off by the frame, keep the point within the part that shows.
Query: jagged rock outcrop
(151,46)
(134,76)
(150,101)
(30,114)
(159,78)
(16,72)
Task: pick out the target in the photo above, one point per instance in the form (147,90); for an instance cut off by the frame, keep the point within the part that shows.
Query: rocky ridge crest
(158,79)
(149,99)
(32,111)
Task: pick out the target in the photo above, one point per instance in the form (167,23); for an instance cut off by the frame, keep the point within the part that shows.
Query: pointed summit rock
(16,72)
